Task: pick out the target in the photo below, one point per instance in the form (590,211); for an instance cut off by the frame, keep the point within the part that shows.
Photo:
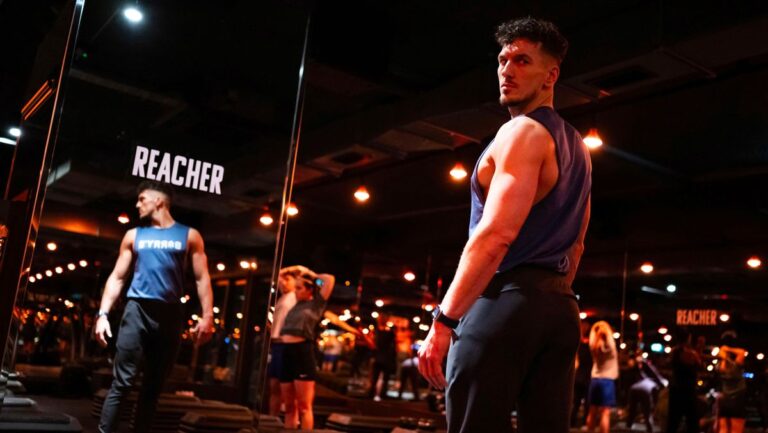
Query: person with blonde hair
(605,371)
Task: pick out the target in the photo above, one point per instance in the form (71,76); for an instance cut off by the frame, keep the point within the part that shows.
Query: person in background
(732,401)
(384,359)
(286,284)
(605,371)
(409,372)
(297,380)
(644,393)
(686,362)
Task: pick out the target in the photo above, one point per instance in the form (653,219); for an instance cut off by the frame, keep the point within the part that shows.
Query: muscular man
(151,327)
(518,331)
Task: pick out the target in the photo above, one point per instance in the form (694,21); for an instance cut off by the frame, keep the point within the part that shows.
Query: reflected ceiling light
(221,266)
(244,264)
(754,262)
(32,279)
(725,317)
(362,195)
(266,219)
(83,263)
(379,303)
(592,139)
(647,267)
(48,273)
(15,132)
(667,337)
(634,316)
(458,172)
(663,330)
(123,218)
(409,276)
(671,288)
(292,210)
(583,315)
(59,269)
(39,276)
(52,246)
(132,14)
(71,266)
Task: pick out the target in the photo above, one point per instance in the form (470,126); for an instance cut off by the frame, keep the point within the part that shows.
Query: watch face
(435,312)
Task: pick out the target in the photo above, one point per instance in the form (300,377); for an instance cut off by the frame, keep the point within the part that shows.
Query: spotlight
(83,263)
(133,15)
(409,276)
(592,139)
(379,303)
(634,316)
(71,266)
(362,195)
(52,246)
(221,266)
(15,132)
(123,218)
(292,210)
(754,262)
(458,172)
(646,267)
(266,219)
(671,288)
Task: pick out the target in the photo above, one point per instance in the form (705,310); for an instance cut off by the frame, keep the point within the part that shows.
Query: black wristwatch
(438,316)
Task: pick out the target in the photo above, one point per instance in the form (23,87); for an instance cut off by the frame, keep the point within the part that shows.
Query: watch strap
(438,316)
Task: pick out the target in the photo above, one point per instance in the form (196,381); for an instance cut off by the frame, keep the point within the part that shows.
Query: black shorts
(298,362)
(276,360)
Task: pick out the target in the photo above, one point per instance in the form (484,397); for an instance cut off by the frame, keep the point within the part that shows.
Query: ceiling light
(216,310)
(221,266)
(671,288)
(593,140)
(582,315)
(59,269)
(667,338)
(133,15)
(83,263)
(244,264)
(52,246)
(375,314)
(254,265)
(48,273)
(362,195)
(623,346)
(715,351)
(39,276)
(292,210)
(266,219)
(646,267)
(123,218)
(616,335)
(725,317)
(663,330)
(424,327)
(634,316)
(754,262)
(409,276)
(71,266)
(32,279)
(15,132)
(7,141)
(458,172)
(429,307)
(760,356)
(667,349)
(416,319)
(239,315)
(379,303)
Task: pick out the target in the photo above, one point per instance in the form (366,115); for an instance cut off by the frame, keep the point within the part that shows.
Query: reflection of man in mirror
(152,324)
(519,322)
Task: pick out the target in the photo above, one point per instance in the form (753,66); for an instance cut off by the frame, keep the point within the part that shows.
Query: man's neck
(543,100)
(163,220)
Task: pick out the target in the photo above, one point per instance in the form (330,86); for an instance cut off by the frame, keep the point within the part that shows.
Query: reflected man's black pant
(149,331)
(514,349)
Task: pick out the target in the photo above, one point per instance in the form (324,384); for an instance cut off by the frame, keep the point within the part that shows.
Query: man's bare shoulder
(194,237)
(522,134)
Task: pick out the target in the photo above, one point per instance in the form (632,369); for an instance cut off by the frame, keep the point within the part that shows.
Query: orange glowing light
(592,139)
(458,172)
(362,195)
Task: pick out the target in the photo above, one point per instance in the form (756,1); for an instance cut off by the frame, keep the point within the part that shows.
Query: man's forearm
(205,294)
(479,262)
(112,291)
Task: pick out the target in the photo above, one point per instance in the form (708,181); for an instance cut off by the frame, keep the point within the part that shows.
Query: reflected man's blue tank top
(160,262)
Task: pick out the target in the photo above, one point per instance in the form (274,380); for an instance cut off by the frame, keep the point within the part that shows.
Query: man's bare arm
(117,279)
(521,153)
(200,269)
(577,250)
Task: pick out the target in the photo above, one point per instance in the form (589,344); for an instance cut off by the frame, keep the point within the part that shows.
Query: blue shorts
(602,392)
(276,360)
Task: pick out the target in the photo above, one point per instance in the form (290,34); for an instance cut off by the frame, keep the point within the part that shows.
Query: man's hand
(102,330)
(432,353)
(203,331)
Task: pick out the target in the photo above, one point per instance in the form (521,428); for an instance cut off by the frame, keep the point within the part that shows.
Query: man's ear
(552,75)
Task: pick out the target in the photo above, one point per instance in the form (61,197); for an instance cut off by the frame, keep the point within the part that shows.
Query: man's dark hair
(545,32)
(156,186)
